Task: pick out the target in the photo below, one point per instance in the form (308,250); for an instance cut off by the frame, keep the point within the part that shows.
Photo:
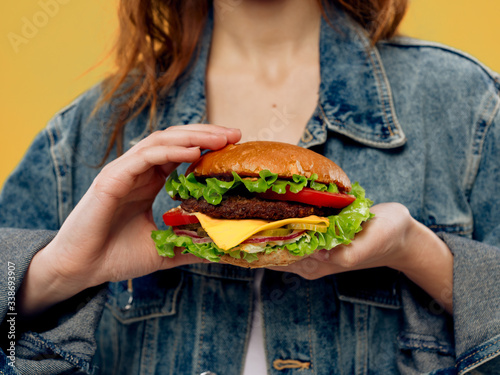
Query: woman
(414,123)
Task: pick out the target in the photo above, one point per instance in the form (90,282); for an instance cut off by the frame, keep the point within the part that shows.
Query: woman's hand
(392,239)
(107,237)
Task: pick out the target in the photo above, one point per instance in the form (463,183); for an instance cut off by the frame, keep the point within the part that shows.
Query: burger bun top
(248,159)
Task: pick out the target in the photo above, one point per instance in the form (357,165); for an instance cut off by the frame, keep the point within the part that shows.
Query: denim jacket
(414,122)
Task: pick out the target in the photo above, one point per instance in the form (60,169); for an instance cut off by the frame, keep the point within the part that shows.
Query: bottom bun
(276,258)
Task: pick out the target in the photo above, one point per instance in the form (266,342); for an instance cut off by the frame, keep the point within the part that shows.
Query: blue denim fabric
(414,122)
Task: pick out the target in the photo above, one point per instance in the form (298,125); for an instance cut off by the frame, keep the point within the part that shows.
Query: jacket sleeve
(476,282)
(62,339)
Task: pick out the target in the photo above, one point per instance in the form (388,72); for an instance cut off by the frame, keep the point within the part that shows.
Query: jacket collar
(355,97)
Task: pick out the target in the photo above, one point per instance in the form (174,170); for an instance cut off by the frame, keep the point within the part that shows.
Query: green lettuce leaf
(212,189)
(341,230)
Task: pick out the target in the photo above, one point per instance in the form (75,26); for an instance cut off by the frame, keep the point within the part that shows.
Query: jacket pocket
(146,297)
(378,287)
(460,229)
(424,343)
(425,354)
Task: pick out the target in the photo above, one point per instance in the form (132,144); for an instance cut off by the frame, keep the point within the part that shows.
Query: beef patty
(238,207)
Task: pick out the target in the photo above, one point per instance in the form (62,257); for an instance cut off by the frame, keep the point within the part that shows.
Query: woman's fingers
(179,260)
(233,134)
(145,158)
(326,262)
(165,149)
(177,144)
(204,136)
(380,243)
(144,167)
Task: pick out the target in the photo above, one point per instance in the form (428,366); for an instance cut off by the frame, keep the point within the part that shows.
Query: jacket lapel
(355,95)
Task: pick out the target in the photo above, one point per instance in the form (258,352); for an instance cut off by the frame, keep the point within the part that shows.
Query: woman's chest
(271,109)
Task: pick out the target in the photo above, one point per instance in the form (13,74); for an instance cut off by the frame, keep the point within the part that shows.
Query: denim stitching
(136,319)
(480,350)
(156,310)
(202,328)
(38,341)
(173,350)
(488,123)
(382,95)
(478,139)
(405,42)
(342,130)
(337,339)
(480,360)
(249,322)
(58,176)
(41,343)
(309,326)
(383,91)
(460,229)
(449,225)
(431,349)
(365,339)
(213,274)
(391,109)
(63,169)
(173,309)
(361,312)
(148,355)
(368,51)
(424,347)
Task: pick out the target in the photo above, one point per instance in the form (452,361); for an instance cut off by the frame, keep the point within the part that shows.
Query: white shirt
(255,361)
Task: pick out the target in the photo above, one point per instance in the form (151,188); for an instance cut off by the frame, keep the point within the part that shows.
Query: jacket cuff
(476,297)
(18,246)
(60,340)
(71,344)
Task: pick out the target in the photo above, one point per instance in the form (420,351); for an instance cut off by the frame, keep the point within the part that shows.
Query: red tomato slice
(177,216)
(312,197)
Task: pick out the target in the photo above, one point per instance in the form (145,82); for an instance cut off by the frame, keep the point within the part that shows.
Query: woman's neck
(263,70)
(266,35)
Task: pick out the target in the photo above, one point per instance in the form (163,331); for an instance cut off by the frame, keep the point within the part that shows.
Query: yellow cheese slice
(229,233)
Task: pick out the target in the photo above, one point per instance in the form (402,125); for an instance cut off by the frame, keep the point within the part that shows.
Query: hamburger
(261,204)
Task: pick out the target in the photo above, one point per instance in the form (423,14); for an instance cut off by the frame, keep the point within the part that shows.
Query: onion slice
(192,234)
(260,239)
(255,239)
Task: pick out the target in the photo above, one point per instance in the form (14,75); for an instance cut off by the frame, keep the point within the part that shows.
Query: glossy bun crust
(248,159)
(277,258)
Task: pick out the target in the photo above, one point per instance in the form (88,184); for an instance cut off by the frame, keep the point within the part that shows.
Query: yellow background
(54,65)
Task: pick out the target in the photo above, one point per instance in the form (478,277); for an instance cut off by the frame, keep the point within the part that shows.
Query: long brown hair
(157,39)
